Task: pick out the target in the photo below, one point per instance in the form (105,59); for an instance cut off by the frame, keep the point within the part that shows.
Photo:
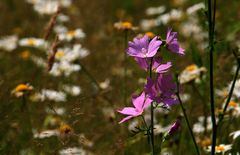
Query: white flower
(132,125)
(105,84)
(155,10)
(58,110)
(73,90)
(190,73)
(73,34)
(60,29)
(73,151)
(45,134)
(46,7)
(236,91)
(8,43)
(199,126)
(47,94)
(70,55)
(33,42)
(39,61)
(64,68)
(62,18)
(222,148)
(235,134)
(195,8)
(65,3)
(147,24)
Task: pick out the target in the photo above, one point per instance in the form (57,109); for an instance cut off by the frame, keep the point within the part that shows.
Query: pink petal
(128,111)
(163,67)
(138,101)
(153,47)
(125,119)
(147,102)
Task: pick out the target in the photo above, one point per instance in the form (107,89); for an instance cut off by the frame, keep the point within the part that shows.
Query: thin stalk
(186,118)
(211,27)
(94,81)
(125,67)
(229,95)
(152,110)
(26,120)
(148,133)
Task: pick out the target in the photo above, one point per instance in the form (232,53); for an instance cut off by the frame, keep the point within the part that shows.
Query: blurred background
(71,109)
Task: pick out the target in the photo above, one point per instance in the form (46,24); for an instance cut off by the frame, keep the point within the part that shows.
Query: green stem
(152,111)
(148,133)
(229,95)
(186,118)
(94,81)
(211,27)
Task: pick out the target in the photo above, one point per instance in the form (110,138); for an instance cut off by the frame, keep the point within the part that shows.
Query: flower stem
(93,80)
(152,110)
(148,133)
(211,27)
(186,117)
(230,93)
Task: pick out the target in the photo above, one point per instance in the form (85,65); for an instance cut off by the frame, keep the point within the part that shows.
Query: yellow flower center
(65,129)
(60,54)
(22,87)
(232,104)
(220,148)
(31,42)
(126,25)
(206,142)
(25,54)
(71,33)
(150,34)
(191,67)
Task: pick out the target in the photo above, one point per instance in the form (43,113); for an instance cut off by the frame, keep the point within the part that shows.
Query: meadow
(119,77)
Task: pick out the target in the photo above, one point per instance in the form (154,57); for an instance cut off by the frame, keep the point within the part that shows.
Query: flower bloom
(33,42)
(190,73)
(139,103)
(65,130)
(72,34)
(124,26)
(162,90)
(143,47)
(21,89)
(174,127)
(222,148)
(157,66)
(172,42)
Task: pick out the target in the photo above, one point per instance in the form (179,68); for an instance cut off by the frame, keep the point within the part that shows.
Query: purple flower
(172,42)
(174,127)
(140,103)
(156,65)
(162,90)
(143,47)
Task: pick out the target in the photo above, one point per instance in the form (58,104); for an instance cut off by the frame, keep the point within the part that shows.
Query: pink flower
(139,103)
(157,65)
(172,42)
(143,47)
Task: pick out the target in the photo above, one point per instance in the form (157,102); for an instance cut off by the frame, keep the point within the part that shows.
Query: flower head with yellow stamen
(222,148)
(150,34)
(190,73)
(65,130)
(21,89)
(124,26)
(25,55)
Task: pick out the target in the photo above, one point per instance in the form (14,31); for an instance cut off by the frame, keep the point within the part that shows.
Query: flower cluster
(160,91)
